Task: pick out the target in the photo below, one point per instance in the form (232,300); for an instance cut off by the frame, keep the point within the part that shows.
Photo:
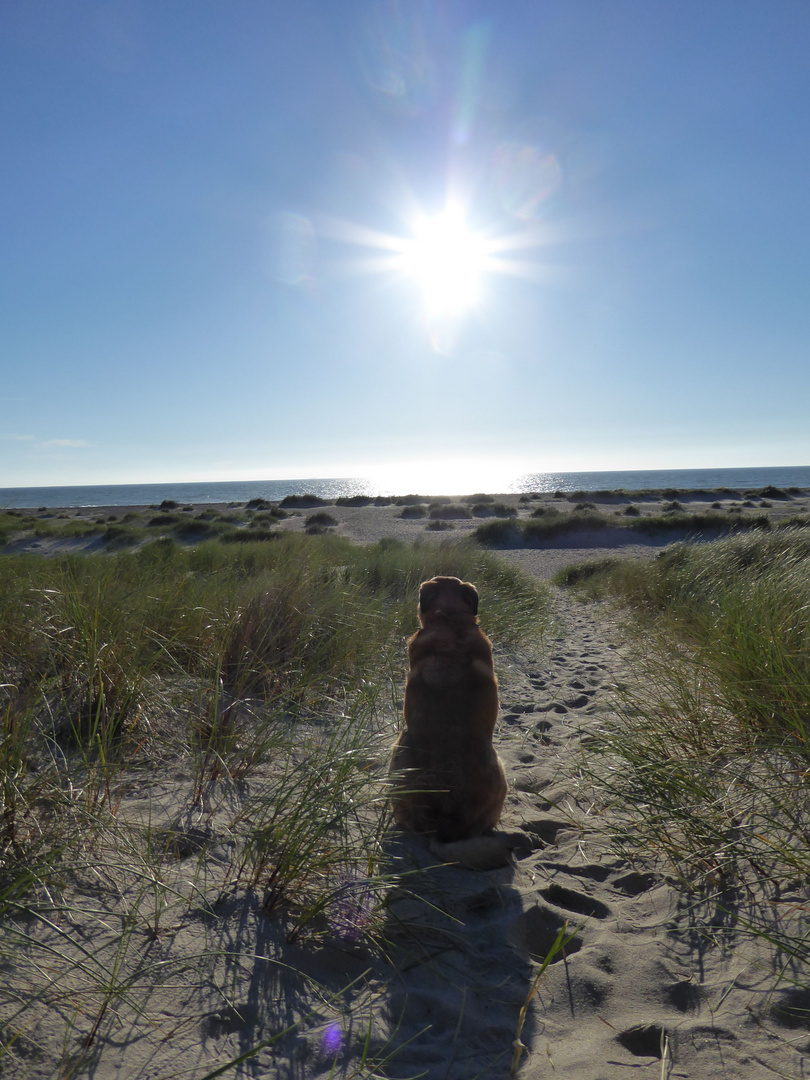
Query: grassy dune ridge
(179,723)
(708,761)
(532,519)
(553,523)
(98,651)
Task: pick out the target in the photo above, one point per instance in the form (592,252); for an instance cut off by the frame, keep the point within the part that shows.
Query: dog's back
(448,779)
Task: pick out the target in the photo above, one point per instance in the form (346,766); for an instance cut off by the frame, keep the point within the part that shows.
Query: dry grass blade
(558,946)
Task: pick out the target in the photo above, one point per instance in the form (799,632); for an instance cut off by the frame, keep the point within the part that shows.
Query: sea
(235,491)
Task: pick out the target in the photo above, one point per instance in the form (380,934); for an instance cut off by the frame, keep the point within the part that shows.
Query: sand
(42,532)
(639,987)
(638,992)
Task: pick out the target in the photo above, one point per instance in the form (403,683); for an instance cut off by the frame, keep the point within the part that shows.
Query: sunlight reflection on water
(425,478)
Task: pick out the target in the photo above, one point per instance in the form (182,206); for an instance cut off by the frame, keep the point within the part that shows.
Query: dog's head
(447,596)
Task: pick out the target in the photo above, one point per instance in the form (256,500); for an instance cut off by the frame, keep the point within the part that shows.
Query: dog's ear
(470,594)
(428,592)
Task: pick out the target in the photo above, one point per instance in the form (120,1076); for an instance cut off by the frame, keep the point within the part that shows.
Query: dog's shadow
(459,982)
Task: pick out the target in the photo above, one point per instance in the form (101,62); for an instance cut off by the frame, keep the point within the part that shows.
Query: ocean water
(236,491)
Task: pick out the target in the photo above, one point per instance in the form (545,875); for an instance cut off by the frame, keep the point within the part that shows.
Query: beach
(430,970)
(587,520)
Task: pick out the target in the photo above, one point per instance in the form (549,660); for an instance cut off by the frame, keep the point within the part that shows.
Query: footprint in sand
(536,931)
(643,1040)
(547,830)
(578,702)
(633,884)
(579,903)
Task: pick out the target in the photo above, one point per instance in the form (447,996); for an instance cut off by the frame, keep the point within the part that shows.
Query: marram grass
(186,727)
(708,761)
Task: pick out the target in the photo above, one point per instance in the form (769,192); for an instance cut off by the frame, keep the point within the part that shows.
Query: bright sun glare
(447,262)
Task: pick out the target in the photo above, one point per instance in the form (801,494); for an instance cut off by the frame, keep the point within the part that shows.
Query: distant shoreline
(143,495)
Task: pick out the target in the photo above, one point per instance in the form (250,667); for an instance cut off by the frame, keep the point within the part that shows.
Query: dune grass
(547,523)
(708,763)
(183,724)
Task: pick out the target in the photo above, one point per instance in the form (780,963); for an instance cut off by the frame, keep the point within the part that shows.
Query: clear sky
(253,239)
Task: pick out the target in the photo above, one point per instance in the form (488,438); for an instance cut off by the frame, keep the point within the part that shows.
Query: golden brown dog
(448,781)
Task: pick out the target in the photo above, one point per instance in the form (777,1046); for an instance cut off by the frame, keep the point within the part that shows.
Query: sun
(447,261)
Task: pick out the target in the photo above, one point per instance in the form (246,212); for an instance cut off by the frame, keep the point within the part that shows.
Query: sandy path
(638,977)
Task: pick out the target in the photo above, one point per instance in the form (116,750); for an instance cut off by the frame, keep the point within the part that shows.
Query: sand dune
(637,990)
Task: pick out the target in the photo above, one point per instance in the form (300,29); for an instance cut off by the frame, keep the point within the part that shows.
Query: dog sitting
(448,781)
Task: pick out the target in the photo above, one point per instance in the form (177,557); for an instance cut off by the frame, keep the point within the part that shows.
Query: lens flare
(333,1040)
(396,58)
(525,178)
(294,249)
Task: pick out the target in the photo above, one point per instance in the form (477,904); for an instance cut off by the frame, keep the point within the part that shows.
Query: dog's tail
(476,853)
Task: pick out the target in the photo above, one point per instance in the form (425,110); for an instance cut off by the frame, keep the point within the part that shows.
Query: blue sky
(188,290)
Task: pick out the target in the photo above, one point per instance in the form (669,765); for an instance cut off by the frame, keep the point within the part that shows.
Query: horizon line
(359,476)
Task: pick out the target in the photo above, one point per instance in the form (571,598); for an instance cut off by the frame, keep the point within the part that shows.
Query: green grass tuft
(447,511)
(708,763)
